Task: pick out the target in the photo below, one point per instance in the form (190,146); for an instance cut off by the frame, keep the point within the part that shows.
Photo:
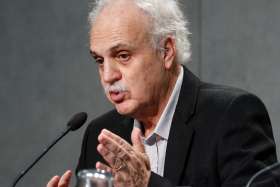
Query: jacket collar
(181,134)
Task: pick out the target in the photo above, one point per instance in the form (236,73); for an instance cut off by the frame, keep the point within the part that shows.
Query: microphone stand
(41,155)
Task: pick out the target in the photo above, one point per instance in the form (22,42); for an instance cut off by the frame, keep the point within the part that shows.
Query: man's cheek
(103,85)
(107,93)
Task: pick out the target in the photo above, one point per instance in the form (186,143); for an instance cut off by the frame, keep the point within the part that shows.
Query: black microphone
(75,123)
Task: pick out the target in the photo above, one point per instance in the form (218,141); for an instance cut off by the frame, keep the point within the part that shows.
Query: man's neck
(149,123)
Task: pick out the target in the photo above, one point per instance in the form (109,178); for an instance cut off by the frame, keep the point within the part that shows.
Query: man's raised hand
(129,164)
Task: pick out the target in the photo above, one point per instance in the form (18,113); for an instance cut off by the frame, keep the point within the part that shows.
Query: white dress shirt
(156,143)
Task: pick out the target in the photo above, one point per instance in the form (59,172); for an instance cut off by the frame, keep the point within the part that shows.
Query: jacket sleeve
(246,144)
(156,180)
(82,159)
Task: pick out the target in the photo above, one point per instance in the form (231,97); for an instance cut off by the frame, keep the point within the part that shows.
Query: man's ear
(169,52)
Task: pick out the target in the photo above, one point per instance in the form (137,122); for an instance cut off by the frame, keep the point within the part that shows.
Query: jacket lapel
(181,134)
(125,132)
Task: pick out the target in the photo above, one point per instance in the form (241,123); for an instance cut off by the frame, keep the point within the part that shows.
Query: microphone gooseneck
(75,123)
(256,175)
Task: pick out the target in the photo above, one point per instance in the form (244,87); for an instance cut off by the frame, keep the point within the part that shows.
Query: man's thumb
(136,140)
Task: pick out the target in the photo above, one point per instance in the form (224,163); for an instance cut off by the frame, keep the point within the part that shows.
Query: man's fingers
(101,166)
(119,148)
(65,179)
(136,140)
(106,154)
(115,138)
(53,182)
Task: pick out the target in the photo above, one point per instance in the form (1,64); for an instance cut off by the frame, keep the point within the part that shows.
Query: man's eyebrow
(121,45)
(113,48)
(93,54)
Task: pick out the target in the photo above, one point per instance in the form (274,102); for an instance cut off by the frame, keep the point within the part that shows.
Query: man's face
(131,71)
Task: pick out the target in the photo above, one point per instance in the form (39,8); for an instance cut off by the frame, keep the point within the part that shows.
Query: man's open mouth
(117,96)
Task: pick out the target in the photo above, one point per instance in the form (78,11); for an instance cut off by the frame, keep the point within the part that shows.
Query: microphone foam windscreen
(77,121)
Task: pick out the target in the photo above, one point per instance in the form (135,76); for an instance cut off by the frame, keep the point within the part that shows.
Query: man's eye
(99,60)
(124,56)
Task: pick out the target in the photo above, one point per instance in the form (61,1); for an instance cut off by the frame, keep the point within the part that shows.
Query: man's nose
(111,72)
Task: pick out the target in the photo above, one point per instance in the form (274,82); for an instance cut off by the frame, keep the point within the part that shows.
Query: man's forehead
(121,45)
(119,26)
(113,47)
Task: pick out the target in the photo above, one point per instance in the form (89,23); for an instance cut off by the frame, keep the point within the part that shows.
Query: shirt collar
(164,124)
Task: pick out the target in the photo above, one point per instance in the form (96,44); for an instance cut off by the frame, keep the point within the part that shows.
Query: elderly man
(168,128)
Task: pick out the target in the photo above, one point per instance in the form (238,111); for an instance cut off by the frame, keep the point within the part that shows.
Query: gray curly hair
(167,20)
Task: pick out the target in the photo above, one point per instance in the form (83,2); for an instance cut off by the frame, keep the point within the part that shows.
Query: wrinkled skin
(136,170)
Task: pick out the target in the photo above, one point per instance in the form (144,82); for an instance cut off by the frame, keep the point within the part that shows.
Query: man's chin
(124,109)
(124,112)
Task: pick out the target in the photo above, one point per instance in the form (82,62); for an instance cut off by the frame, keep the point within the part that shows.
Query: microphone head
(77,121)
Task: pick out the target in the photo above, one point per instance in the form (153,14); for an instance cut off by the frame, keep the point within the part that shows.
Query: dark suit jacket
(220,136)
